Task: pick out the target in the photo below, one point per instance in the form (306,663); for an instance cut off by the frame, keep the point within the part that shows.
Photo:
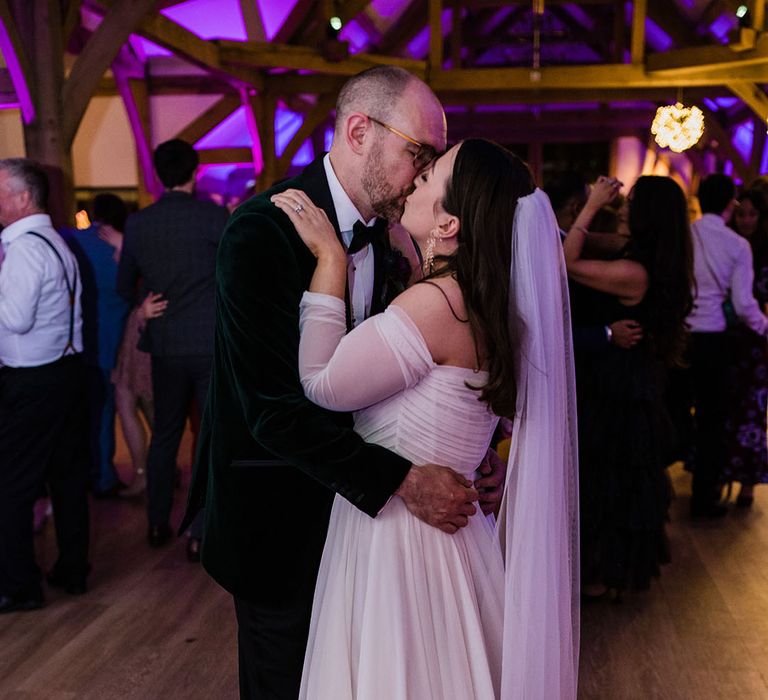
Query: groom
(269,461)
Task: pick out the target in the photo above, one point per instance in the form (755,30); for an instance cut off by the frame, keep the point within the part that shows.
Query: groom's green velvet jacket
(269,460)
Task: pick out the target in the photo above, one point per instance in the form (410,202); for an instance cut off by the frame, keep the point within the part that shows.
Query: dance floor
(154,626)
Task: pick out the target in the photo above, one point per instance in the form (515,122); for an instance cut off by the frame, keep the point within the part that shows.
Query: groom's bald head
(375,91)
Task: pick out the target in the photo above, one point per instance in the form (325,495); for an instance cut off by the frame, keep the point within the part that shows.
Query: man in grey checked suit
(170,249)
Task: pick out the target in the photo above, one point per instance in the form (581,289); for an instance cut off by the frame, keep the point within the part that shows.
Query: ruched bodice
(439,420)
(427,413)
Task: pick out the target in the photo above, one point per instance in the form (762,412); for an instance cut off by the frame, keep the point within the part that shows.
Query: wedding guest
(259,430)
(568,193)
(132,377)
(171,247)
(723,272)
(42,414)
(104,314)
(745,438)
(622,423)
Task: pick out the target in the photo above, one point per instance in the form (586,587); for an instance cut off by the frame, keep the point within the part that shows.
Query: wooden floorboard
(154,626)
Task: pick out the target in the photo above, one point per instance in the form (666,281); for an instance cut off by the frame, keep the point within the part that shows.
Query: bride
(402,610)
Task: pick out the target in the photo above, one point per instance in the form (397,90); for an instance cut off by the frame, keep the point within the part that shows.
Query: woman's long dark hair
(661,242)
(759,240)
(486,182)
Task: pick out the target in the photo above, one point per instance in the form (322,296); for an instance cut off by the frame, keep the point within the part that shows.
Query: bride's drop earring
(429,255)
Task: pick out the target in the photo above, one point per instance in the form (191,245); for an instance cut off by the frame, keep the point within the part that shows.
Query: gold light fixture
(678,127)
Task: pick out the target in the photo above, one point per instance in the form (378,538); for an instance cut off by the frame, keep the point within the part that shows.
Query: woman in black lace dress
(747,457)
(623,427)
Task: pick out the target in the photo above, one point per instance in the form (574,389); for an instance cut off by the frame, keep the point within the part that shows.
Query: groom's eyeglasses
(425,153)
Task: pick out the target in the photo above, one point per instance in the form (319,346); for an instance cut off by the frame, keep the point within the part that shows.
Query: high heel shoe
(137,486)
(193,550)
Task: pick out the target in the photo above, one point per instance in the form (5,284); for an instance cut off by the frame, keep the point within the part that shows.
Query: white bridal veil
(539,522)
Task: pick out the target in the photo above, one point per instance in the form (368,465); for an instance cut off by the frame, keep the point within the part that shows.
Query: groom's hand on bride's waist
(439,496)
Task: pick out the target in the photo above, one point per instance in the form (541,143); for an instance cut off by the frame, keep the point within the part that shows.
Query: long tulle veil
(538,526)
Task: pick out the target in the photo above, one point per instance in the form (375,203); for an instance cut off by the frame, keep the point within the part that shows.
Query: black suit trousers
(271,643)
(175,382)
(709,364)
(43,427)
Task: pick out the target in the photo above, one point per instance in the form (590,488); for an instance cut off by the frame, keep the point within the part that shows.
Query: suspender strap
(71,289)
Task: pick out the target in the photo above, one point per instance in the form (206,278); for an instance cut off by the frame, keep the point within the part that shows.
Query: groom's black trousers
(271,644)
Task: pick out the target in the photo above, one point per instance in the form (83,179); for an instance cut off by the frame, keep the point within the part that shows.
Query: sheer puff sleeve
(347,372)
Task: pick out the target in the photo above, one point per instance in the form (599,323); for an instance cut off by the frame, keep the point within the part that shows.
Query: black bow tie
(362,235)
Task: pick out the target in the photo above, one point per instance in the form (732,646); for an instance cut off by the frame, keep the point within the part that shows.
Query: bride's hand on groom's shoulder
(311,223)
(439,496)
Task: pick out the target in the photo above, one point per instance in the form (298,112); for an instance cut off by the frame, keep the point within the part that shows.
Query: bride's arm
(338,371)
(347,372)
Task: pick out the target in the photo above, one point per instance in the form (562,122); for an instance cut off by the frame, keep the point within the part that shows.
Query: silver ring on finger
(298,208)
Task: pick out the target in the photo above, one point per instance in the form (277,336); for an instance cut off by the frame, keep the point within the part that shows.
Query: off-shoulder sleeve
(346,372)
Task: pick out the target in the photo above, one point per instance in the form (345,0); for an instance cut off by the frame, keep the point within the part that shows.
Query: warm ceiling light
(336,23)
(81,220)
(741,11)
(677,127)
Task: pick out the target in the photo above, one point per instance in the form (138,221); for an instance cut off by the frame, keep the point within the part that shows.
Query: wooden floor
(155,626)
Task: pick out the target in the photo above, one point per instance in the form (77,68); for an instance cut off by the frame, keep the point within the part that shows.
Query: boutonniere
(397,274)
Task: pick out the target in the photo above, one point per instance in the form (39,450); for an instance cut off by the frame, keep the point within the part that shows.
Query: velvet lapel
(380,249)
(315,183)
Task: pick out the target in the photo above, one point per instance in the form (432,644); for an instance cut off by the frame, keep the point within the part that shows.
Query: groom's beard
(386,202)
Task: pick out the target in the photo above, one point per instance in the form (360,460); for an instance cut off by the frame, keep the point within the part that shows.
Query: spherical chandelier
(678,127)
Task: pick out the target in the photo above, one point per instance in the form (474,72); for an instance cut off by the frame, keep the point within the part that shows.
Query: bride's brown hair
(482,191)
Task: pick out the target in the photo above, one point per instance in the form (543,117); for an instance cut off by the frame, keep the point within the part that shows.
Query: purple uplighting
(722,26)
(743,136)
(230,133)
(17,76)
(657,37)
(209,19)
(355,35)
(273,15)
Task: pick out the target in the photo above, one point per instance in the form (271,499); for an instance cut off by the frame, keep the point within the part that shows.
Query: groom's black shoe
(158,535)
(20,603)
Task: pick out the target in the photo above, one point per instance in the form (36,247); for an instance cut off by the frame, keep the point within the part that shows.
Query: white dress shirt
(360,267)
(722,262)
(34,299)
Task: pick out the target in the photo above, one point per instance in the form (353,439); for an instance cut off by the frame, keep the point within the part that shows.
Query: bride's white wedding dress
(402,611)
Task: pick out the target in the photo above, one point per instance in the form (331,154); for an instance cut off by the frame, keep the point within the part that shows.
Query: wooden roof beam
(294,21)
(254,25)
(97,55)
(411,22)
(590,77)
(190,47)
(435,34)
(210,156)
(637,41)
(316,116)
(753,96)
(272,55)
(702,58)
(210,118)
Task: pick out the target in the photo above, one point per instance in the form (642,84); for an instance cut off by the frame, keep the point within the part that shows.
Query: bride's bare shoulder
(433,305)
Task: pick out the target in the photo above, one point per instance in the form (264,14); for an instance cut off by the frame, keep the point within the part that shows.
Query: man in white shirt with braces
(722,269)
(42,416)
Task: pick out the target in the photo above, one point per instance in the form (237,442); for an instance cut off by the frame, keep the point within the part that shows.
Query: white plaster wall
(103,152)
(169,114)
